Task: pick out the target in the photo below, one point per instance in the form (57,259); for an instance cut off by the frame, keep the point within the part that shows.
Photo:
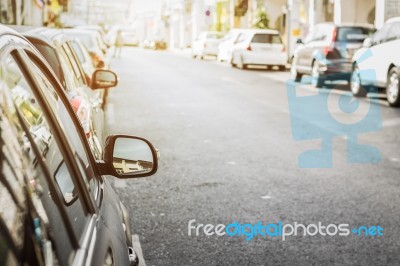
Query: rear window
(214,36)
(266,38)
(353,34)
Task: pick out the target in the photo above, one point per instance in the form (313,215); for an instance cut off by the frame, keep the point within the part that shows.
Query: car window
(31,117)
(82,154)
(352,34)
(323,33)
(214,36)
(266,38)
(70,67)
(241,38)
(51,57)
(393,32)
(77,49)
(36,122)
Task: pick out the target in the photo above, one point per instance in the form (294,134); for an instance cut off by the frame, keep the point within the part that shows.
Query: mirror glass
(65,183)
(132,156)
(105,78)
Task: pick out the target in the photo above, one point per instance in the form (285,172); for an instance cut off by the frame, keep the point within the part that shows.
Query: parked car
(83,220)
(93,43)
(326,52)
(225,48)
(86,101)
(259,47)
(206,44)
(84,58)
(377,56)
(129,37)
(99,30)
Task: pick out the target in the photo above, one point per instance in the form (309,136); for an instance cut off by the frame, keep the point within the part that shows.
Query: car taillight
(249,48)
(331,47)
(283,49)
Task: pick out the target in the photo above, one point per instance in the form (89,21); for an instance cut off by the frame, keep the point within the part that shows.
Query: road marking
(231,163)
(266,197)
(391,122)
(138,248)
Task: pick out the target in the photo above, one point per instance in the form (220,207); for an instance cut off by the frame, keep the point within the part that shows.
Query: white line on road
(138,248)
(391,122)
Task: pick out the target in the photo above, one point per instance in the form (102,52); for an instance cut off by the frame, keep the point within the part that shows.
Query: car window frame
(83,140)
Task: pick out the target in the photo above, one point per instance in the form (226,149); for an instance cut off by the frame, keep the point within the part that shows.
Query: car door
(379,58)
(105,235)
(68,208)
(304,53)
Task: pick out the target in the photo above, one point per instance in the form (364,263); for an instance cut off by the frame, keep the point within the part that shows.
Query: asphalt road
(228,154)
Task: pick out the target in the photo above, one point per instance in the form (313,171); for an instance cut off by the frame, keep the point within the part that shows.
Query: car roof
(46,35)
(8,30)
(251,32)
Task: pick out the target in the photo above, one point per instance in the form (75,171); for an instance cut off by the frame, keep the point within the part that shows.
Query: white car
(206,44)
(225,48)
(377,64)
(259,47)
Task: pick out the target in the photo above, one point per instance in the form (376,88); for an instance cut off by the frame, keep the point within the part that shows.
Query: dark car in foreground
(86,222)
(327,51)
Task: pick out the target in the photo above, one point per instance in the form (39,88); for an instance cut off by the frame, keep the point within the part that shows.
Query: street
(228,154)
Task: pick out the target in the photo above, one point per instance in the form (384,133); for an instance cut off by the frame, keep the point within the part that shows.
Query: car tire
(393,87)
(232,62)
(356,87)
(242,65)
(293,71)
(316,80)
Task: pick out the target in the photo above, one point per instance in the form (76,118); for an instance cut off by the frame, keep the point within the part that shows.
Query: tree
(262,19)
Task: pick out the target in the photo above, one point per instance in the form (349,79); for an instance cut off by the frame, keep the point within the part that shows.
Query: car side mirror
(367,42)
(103,79)
(128,157)
(299,41)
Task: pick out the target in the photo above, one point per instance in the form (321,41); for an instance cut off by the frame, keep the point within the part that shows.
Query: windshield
(266,38)
(353,34)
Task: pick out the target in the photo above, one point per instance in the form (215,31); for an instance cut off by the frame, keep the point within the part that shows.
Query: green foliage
(262,19)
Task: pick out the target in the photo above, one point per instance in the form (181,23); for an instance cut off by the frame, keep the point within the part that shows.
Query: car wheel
(293,71)
(316,80)
(393,87)
(233,62)
(356,86)
(242,65)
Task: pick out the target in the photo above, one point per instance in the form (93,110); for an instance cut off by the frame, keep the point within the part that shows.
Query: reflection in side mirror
(132,156)
(129,156)
(65,184)
(103,79)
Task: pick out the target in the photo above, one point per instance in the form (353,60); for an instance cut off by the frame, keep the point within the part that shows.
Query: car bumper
(336,67)
(250,58)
